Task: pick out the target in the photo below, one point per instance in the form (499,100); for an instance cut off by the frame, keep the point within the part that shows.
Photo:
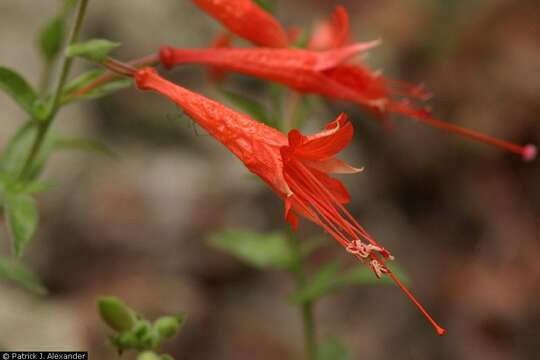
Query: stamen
(440,330)
(378,268)
(323,208)
(527,152)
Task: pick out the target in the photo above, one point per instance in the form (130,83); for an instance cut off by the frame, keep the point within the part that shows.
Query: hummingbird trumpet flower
(247,20)
(295,166)
(325,69)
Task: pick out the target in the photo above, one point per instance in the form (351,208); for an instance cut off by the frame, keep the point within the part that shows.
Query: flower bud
(168,326)
(116,314)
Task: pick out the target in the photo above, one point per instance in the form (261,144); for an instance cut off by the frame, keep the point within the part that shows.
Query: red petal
(327,143)
(331,33)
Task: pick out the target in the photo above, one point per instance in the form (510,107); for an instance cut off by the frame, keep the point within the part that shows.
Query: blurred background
(461,218)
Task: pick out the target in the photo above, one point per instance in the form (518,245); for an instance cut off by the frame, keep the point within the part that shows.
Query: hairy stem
(45,124)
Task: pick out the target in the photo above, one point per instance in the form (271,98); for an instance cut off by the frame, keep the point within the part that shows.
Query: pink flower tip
(441,331)
(529,152)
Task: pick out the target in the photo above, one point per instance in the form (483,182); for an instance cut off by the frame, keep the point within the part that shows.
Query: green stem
(45,124)
(308,317)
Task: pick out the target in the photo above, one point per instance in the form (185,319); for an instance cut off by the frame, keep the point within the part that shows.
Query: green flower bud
(116,314)
(168,326)
(148,355)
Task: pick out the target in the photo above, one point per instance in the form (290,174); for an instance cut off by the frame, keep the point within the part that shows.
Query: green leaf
(22,218)
(32,187)
(332,349)
(18,88)
(302,41)
(89,145)
(259,250)
(14,270)
(81,81)
(249,106)
(16,152)
(330,279)
(94,50)
(267,5)
(85,79)
(116,313)
(52,38)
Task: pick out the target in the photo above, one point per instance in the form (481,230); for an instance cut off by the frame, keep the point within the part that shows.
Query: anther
(378,268)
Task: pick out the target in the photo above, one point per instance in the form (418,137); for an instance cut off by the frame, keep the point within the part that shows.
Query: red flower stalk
(296,167)
(247,20)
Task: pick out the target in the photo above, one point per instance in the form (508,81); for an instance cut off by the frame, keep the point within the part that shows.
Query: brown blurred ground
(461,218)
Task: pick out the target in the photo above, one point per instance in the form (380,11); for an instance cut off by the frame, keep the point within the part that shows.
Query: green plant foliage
(22,219)
(332,349)
(168,326)
(249,106)
(136,333)
(330,278)
(268,5)
(52,38)
(83,144)
(149,355)
(17,150)
(87,78)
(14,270)
(93,50)
(18,88)
(116,314)
(262,251)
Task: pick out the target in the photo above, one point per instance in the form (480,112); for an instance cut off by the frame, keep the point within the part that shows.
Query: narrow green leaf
(52,38)
(94,50)
(81,81)
(16,152)
(89,145)
(85,79)
(322,282)
(18,88)
(330,279)
(259,250)
(22,218)
(107,89)
(249,106)
(14,270)
(332,349)
(32,187)
(116,313)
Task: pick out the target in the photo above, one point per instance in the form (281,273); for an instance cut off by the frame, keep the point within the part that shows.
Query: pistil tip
(441,331)
(529,152)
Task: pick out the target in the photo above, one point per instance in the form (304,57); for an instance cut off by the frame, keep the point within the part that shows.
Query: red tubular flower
(296,167)
(247,20)
(215,74)
(332,33)
(325,74)
(302,70)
